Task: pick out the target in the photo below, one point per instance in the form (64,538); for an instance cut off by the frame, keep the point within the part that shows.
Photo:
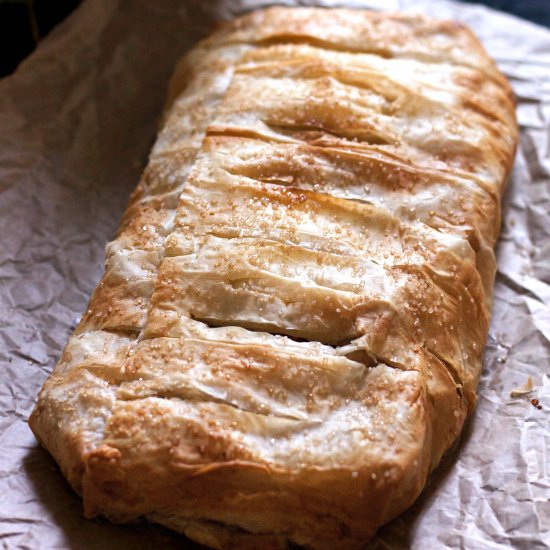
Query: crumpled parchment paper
(77,120)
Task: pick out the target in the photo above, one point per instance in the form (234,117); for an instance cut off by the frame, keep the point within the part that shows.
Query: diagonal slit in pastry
(349,348)
(274,330)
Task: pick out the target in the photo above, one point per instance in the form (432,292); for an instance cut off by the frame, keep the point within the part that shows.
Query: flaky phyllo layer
(290,327)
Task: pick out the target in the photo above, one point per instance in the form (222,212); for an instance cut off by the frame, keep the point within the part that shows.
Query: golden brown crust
(289,332)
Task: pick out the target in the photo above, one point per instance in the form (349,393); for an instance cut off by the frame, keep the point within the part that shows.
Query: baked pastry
(290,328)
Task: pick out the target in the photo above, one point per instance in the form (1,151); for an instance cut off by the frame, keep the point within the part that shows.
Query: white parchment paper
(77,120)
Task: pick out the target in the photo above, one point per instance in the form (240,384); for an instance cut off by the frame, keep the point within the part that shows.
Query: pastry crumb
(526,389)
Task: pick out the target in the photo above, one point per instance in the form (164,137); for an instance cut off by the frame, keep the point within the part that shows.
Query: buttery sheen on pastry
(290,328)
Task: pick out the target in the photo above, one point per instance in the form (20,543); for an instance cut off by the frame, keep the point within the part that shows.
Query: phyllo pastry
(290,329)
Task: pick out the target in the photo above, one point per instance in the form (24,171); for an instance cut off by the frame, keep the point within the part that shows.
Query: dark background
(23,23)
